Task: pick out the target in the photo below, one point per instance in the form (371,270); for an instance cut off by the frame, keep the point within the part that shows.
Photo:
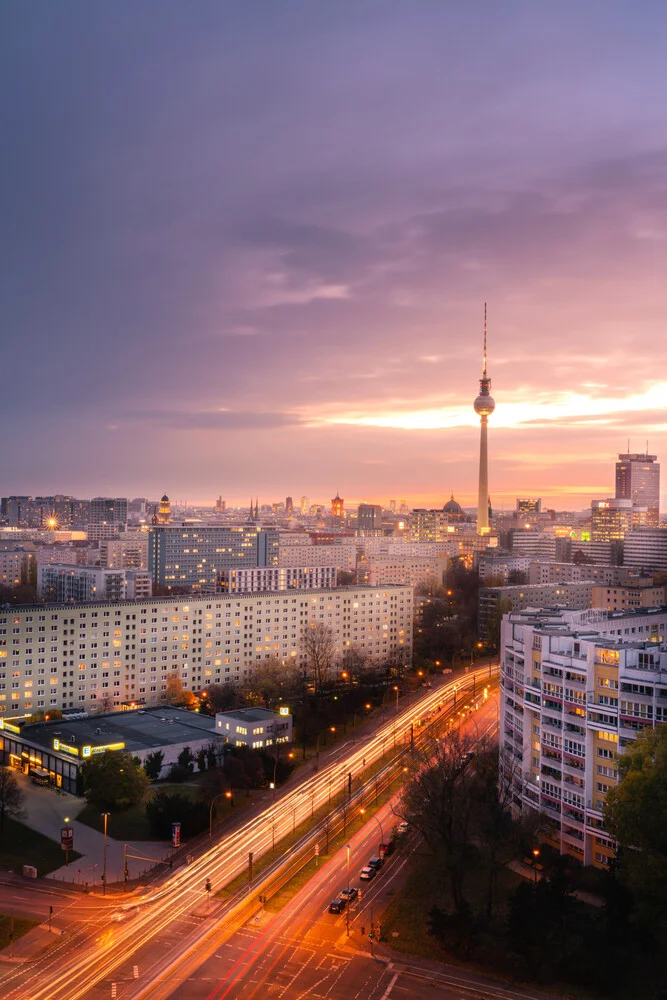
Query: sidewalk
(27,947)
(46,811)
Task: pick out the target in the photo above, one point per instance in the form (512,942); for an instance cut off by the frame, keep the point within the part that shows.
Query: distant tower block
(484,406)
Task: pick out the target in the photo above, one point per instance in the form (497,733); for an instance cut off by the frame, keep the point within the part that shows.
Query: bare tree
(320,649)
(355,662)
(11,797)
(270,681)
(438,802)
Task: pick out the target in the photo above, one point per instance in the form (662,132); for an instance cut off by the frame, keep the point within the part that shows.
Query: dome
(452,507)
(484,405)
(165,499)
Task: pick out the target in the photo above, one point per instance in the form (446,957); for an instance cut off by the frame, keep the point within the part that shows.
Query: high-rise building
(611,519)
(484,405)
(369,517)
(305,505)
(638,479)
(337,506)
(577,688)
(193,555)
(646,549)
(289,506)
(528,507)
(108,510)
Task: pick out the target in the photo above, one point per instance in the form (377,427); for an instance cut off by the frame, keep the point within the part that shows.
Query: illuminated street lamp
(536,854)
(373,816)
(104,860)
(347,908)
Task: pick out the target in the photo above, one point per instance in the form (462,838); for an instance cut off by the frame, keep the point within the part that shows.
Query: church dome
(165,499)
(452,507)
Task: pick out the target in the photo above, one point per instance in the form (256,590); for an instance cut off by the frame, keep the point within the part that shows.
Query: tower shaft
(483,490)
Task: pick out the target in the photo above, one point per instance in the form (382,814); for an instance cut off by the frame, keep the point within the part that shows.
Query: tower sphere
(484,405)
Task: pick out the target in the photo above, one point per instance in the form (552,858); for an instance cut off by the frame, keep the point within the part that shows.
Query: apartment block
(61,583)
(264,578)
(193,556)
(566,595)
(411,570)
(15,566)
(342,556)
(646,549)
(105,655)
(639,594)
(576,688)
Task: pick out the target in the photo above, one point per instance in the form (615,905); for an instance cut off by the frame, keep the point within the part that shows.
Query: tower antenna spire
(484,366)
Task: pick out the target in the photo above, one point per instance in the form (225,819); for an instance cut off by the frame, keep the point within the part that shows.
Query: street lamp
(363,813)
(536,854)
(104,862)
(227,795)
(347,908)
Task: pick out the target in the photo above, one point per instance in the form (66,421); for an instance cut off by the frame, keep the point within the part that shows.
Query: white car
(403,827)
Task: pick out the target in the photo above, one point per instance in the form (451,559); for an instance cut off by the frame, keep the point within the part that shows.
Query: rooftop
(251,714)
(145,729)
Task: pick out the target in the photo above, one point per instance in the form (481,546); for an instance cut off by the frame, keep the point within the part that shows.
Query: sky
(245,247)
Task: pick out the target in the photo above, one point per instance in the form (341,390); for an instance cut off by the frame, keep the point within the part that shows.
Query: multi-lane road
(156,932)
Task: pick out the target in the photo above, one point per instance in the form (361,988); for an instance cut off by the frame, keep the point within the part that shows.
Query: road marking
(390,987)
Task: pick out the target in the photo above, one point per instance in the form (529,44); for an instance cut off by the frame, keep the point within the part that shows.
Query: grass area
(21,927)
(132,824)
(22,846)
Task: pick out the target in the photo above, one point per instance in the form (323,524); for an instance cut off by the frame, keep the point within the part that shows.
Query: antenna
(484,366)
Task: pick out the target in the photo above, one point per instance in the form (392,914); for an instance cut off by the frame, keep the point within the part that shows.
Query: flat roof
(251,714)
(144,729)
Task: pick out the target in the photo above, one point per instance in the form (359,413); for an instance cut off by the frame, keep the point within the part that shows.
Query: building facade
(193,556)
(638,480)
(518,597)
(264,578)
(103,655)
(258,728)
(646,549)
(369,517)
(576,688)
(640,594)
(63,583)
(611,519)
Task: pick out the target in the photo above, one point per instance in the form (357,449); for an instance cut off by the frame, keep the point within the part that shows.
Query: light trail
(152,913)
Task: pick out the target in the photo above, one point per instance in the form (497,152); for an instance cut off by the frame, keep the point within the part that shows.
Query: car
(387,848)
(367,873)
(376,863)
(403,827)
(337,905)
(349,894)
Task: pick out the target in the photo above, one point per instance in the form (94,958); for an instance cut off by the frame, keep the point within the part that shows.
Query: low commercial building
(55,751)
(576,688)
(258,728)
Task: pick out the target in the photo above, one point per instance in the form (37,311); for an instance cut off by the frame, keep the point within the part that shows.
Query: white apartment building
(63,582)
(576,687)
(343,555)
(106,655)
(411,570)
(252,580)
(254,727)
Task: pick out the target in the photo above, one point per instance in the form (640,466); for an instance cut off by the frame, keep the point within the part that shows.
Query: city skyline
(268,240)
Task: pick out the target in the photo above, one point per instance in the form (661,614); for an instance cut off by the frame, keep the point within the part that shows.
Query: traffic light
(208,885)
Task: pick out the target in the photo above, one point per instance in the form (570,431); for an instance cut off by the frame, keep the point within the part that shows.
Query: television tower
(484,405)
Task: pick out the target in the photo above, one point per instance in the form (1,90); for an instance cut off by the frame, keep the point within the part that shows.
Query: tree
(221,698)
(167,807)
(153,764)
(636,816)
(112,781)
(346,578)
(201,758)
(212,758)
(270,681)
(438,802)
(320,649)
(11,797)
(517,577)
(186,759)
(176,694)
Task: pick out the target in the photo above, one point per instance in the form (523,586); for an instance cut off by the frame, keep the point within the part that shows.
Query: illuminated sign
(65,748)
(107,746)
(9,726)
(284,710)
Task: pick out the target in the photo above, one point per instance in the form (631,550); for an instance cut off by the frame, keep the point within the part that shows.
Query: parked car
(387,847)
(376,863)
(403,827)
(367,873)
(337,905)
(349,894)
